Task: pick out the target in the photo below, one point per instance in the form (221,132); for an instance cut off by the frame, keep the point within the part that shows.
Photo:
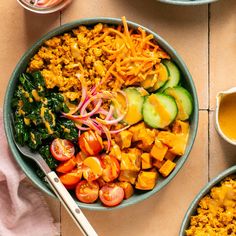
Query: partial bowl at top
(187,82)
(46,7)
(187,2)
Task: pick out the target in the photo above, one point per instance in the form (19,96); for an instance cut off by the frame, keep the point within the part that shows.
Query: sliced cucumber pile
(159,110)
(183,100)
(174,75)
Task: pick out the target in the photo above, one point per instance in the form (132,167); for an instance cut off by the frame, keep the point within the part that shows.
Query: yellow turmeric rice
(111,57)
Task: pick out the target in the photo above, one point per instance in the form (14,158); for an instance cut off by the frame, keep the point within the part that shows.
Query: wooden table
(205,36)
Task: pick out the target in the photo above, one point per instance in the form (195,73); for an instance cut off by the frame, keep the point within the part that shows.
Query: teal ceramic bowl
(29,168)
(206,190)
(187,2)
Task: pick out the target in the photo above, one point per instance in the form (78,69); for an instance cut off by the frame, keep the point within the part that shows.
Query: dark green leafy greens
(37,115)
(46,154)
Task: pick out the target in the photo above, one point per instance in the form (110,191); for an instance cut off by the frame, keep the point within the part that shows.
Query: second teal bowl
(206,190)
(29,167)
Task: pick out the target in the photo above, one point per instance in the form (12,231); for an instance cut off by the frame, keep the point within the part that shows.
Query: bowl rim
(187,3)
(113,21)
(47,10)
(203,192)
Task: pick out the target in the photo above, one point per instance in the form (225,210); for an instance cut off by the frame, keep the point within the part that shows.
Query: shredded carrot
(132,53)
(127,33)
(99,45)
(99,39)
(113,51)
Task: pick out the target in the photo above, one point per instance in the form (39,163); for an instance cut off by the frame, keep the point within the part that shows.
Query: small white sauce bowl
(219,98)
(42,10)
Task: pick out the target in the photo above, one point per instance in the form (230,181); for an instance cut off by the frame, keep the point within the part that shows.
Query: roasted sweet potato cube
(158,150)
(146,180)
(135,151)
(146,161)
(128,176)
(128,189)
(144,147)
(157,164)
(116,152)
(167,167)
(135,129)
(145,135)
(180,127)
(123,139)
(176,142)
(130,161)
(170,156)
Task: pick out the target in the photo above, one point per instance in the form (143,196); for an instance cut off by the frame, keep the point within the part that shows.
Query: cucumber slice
(174,76)
(155,81)
(159,110)
(149,82)
(183,100)
(163,77)
(135,97)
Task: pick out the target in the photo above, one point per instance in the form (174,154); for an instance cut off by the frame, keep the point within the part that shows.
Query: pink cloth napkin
(23,210)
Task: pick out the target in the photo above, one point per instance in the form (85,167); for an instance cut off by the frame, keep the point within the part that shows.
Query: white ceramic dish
(219,98)
(42,10)
(187,2)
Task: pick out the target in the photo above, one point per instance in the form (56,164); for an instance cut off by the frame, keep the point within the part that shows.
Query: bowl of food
(44,6)
(212,212)
(187,2)
(110,106)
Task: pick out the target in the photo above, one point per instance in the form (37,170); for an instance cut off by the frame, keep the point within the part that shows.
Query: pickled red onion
(93,126)
(46,3)
(80,127)
(119,130)
(108,136)
(85,120)
(110,113)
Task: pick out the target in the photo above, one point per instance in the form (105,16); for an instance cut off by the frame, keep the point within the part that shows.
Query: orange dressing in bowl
(227,116)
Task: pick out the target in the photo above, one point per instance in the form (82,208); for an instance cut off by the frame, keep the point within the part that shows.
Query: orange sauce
(227,116)
(160,109)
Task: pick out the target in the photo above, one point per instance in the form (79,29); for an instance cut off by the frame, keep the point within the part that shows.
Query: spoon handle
(70,205)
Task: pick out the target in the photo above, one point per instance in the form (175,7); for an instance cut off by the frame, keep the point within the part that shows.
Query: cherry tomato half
(87,191)
(69,179)
(111,194)
(66,166)
(101,182)
(90,142)
(80,157)
(111,168)
(62,149)
(128,189)
(92,168)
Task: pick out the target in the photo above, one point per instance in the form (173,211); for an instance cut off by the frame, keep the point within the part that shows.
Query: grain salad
(105,107)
